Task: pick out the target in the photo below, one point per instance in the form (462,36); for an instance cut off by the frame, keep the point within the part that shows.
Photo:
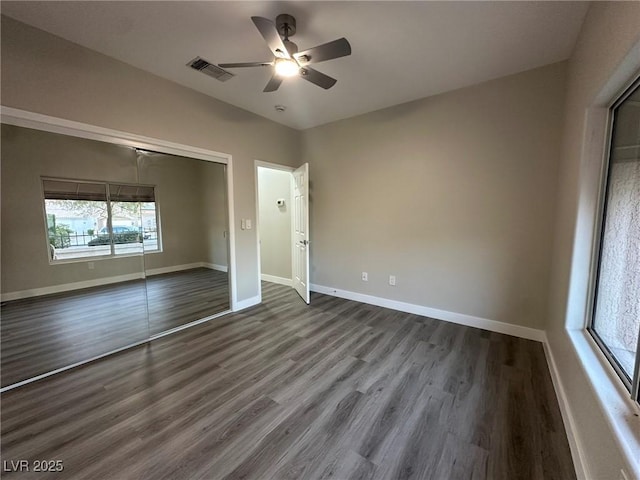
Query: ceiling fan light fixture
(286,67)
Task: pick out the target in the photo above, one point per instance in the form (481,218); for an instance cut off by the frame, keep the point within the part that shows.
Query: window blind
(131,193)
(70,190)
(73,190)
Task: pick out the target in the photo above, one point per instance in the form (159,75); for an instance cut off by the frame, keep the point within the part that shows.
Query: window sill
(622,413)
(99,258)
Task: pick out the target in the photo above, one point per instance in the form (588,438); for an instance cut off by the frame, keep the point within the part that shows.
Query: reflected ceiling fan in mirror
(288,62)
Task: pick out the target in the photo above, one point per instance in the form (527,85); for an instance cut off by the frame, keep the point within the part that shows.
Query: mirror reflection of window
(94,219)
(127,223)
(150,232)
(76,212)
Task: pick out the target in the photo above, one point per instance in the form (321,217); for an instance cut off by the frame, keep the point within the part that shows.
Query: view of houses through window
(94,219)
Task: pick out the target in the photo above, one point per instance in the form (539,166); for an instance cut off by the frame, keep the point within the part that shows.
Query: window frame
(112,253)
(632,384)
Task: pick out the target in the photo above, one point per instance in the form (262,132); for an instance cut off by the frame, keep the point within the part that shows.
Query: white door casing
(301,231)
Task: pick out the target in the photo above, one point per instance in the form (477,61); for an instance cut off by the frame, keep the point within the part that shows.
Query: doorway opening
(283,226)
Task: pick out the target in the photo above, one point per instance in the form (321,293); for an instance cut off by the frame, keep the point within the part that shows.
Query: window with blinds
(87,219)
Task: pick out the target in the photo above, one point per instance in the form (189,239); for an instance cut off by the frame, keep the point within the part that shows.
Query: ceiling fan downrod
(286,25)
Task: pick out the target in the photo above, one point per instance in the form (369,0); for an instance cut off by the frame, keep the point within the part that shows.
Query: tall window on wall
(615,322)
(87,219)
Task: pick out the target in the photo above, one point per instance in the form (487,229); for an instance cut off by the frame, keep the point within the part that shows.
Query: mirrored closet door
(103,246)
(185,249)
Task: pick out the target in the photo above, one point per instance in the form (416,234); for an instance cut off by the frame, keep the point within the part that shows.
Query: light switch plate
(248,222)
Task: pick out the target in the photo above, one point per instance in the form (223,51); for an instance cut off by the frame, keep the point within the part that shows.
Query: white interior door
(301,231)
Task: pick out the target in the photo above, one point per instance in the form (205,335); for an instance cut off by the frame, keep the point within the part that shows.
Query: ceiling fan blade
(327,51)
(270,33)
(317,78)
(245,64)
(273,84)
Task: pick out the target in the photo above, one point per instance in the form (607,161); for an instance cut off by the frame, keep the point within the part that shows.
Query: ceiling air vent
(210,69)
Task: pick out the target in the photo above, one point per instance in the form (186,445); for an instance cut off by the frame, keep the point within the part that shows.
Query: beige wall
(610,30)
(452,194)
(46,74)
(274,222)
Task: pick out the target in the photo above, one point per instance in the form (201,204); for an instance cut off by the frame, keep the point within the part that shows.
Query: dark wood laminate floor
(42,334)
(335,390)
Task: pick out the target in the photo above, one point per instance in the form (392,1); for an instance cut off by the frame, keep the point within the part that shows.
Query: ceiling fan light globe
(286,68)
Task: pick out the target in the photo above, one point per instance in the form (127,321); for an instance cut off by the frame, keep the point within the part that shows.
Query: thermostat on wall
(280,202)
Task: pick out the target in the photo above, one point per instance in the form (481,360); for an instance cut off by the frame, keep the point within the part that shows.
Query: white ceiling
(402,51)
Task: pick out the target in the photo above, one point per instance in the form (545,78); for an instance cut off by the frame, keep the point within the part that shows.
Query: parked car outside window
(121,234)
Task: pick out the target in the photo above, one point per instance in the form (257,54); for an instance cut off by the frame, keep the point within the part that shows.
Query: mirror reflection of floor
(182,297)
(42,334)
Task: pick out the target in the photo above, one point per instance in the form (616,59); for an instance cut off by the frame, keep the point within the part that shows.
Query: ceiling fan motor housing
(286,25)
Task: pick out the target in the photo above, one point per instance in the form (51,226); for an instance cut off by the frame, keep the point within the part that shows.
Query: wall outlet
(243,224)
(91,265)
(392,280)
(365,277)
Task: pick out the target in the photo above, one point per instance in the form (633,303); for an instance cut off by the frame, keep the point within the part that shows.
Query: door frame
(272,166)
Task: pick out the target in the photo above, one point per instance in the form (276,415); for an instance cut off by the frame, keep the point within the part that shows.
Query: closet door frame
(37,121)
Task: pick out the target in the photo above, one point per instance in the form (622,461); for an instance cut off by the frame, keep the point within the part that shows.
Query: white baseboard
(174,268)
(215,266)
(246,303)
(66,287)
(279,280)
(577,451)
(186,266)
(453,317)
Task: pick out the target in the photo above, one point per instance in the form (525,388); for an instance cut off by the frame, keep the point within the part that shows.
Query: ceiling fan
(288,62)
